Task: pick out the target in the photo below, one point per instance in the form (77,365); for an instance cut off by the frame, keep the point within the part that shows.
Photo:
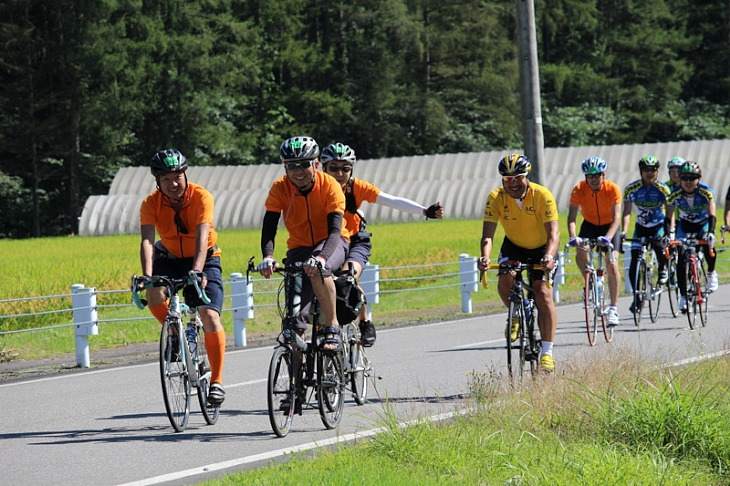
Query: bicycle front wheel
(672,285)
(330,388)
(281,396)
(359,371)
(174,376)
(210,412)
(703,293)
(589,305)
(515,356)
(692,292)
(639,290)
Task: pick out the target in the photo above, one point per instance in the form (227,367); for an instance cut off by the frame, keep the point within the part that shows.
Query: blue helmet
(675,162)
(593,165)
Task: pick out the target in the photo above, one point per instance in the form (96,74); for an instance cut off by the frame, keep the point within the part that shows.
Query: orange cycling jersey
(596,207)
(362,191)
(197,209)
(305,216)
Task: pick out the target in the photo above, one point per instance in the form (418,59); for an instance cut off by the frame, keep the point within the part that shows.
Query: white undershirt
(399,203)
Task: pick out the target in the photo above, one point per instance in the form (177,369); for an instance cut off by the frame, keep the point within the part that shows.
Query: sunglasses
(649,169)
(593,176)
(181,228)
(339,168)
(514,178)
(303,165)
(689,178)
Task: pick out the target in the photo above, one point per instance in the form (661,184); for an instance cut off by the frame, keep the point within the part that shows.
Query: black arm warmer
(334,228)
(711,221)
(268,232)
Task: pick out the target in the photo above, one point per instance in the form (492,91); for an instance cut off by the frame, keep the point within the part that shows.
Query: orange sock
(160,311)
(215,345)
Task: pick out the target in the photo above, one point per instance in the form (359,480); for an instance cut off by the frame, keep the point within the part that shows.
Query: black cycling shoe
(216,394)
(175,351)
(367,333)
(663,276)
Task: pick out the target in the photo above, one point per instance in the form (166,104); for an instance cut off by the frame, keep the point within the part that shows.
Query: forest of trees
(89,86)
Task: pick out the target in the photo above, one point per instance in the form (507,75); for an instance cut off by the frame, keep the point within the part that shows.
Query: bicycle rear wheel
(281,396)
(589,305)
(692,292)
(330,388)
(639,290)
(174,376)
(210,412)
(654,291)
(672,285)
(515,358)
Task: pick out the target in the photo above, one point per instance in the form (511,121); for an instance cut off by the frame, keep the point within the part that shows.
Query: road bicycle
(646,288)
(594,295)
(183,362)
(695,269)
(301,375)
(524,352)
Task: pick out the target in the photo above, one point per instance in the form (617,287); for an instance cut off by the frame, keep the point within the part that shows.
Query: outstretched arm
(408,206)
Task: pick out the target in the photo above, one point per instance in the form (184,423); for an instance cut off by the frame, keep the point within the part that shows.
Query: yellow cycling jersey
(525,225)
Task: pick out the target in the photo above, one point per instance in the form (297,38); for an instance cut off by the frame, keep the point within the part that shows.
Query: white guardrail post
(469,280)
(370,284)
(559,277)
(86,323)
(242,297)
(627,267)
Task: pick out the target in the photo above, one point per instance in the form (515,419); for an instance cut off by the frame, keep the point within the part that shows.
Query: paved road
(109,426)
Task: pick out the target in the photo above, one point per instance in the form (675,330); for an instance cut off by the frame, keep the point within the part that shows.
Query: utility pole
(530,86)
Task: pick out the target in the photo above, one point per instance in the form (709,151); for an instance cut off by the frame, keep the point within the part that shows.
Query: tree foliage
(89,86)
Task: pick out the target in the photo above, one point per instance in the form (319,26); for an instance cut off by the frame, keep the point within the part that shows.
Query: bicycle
(358,366)
(182,367)
(594,295)
(646,288)
(300,371)
(524,352)
(697,287)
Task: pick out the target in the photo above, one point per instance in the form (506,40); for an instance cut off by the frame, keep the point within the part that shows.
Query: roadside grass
(49,266)
(616,421)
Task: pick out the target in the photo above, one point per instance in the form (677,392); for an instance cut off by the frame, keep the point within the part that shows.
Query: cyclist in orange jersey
(338,160)
(599,201)
(313,207)
(182,214)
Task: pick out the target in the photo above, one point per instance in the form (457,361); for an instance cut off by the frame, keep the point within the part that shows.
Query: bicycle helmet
(649,161)
(298,148)
(338,152)
(514,164)
(690,168)
(166,161)
(593,165)
(675,162)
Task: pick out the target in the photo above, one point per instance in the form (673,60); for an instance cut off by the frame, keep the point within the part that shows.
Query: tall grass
(609,421)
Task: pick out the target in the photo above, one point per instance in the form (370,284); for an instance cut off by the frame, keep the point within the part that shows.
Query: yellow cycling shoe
(547,363)
(515,329)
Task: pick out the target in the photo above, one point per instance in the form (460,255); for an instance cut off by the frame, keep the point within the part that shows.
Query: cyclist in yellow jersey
(529,216)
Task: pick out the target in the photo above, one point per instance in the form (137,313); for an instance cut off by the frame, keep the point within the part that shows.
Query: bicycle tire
(531,351)
(280,388)
(639,290)
(703,286)
(357,362)
(210,412)
(654,291)
(174,377)
(589,305)
(515,356)
(691,292)
(330,388)
(672,285)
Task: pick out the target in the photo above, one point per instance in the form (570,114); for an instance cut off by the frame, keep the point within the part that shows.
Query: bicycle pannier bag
(350,299)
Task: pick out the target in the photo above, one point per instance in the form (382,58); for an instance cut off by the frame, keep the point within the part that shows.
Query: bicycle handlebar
(689,242)
(515,266)
(173,285)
